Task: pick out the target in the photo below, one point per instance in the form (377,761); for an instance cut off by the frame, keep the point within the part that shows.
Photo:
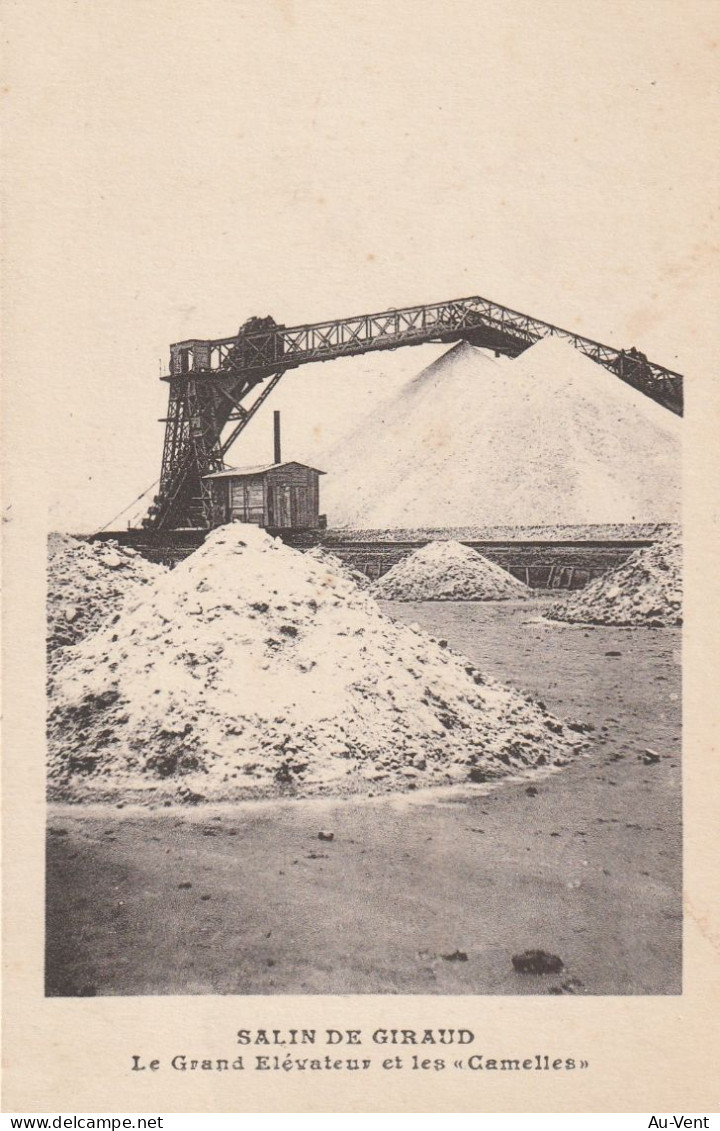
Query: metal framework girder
(476,318)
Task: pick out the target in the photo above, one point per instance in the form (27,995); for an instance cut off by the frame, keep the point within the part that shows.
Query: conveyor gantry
(220,382)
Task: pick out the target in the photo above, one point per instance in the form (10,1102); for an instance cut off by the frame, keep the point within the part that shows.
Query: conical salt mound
(548,438)
(251,669)
(447,571)
(645,590)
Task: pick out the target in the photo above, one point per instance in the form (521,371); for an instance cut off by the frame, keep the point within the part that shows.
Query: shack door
(300,511)
(279,506)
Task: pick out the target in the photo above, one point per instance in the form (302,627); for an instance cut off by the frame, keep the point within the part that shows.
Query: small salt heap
(87,582)
(447,571)
(645,590)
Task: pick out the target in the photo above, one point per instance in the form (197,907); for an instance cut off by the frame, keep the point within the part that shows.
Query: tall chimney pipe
(276,432)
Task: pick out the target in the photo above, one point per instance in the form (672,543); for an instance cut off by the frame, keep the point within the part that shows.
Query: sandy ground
(246,899)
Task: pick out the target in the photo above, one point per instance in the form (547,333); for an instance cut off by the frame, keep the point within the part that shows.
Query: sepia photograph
(402,718)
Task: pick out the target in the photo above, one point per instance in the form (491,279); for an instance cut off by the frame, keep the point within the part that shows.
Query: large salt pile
(447,571)
(645,590)
(549,437)
(250,669)
(87,582)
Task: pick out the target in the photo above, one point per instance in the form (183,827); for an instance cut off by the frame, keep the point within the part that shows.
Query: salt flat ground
(245,899)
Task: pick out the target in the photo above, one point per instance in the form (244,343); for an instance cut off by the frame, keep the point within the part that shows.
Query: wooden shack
(282,496)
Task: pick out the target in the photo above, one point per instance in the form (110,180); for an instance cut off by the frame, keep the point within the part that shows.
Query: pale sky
(174,168)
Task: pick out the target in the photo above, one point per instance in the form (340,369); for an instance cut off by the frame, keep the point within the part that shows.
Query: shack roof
(245,472)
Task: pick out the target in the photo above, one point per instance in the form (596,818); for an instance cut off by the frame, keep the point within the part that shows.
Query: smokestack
(276,431)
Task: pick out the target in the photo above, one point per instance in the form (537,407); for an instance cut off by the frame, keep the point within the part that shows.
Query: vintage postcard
(360,537)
